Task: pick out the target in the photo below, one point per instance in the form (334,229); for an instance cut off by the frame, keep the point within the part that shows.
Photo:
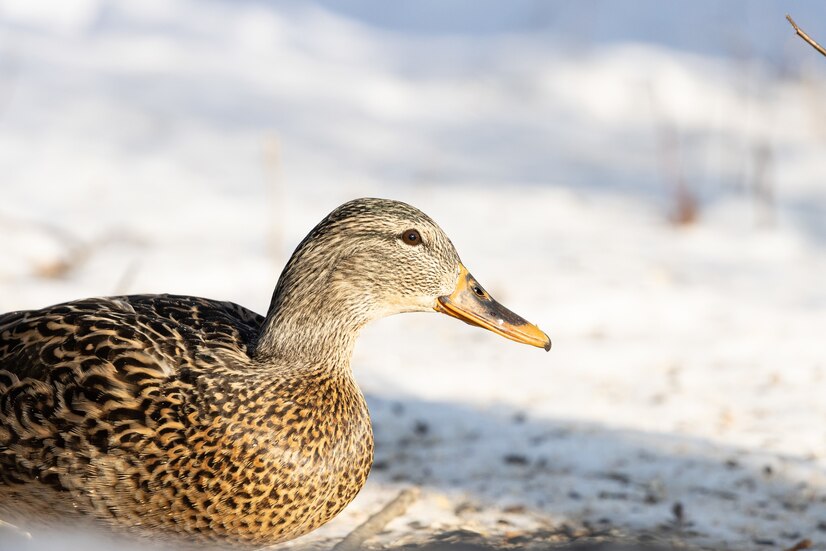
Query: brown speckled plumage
(180,417)
(147,413)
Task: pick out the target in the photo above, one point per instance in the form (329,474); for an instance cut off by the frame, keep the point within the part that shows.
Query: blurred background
(646,181)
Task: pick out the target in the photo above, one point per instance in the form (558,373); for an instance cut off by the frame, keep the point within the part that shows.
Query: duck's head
(371,258)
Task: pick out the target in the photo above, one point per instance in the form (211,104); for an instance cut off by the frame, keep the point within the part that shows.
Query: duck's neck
(312,322)
(308,340)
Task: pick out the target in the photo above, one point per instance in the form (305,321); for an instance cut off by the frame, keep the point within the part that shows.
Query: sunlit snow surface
(187,147)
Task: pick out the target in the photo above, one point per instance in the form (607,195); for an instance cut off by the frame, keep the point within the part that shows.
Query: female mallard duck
(172,416)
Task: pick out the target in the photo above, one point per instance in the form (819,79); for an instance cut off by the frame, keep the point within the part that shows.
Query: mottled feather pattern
(144,404)
(177,417)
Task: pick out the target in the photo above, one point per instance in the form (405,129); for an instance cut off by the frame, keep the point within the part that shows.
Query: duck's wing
(171,329)
(77,375)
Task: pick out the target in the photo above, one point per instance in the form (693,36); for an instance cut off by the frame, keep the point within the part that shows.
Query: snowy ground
(187,147)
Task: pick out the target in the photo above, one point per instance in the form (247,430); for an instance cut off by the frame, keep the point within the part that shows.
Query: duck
(198,421)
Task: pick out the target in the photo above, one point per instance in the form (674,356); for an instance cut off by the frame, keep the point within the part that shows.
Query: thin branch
(375,524)
(805,36)
(18,532)
(127,278)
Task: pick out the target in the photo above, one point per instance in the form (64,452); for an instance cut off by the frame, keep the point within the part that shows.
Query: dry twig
(376,523)
(127,278)
(275,189)
(802,544)
(805,36)
(11,528)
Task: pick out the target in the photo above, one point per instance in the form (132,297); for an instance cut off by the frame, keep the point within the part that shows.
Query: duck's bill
(470,303)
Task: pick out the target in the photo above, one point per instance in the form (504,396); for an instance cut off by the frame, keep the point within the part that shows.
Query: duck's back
(80,382)
(34,342)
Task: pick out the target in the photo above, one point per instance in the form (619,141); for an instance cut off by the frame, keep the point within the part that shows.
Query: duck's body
(172,416)
(152,407)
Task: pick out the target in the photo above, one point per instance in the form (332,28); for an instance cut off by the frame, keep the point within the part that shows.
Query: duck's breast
(280,459)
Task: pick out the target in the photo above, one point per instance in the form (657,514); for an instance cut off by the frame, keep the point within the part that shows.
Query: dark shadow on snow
(572,470)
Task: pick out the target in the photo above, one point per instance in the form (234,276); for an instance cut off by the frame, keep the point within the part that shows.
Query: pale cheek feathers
(406,304)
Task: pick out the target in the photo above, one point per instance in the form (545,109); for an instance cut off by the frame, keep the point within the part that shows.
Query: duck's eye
(412,237)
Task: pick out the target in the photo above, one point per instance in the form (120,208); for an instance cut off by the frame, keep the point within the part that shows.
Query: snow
(187,147)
